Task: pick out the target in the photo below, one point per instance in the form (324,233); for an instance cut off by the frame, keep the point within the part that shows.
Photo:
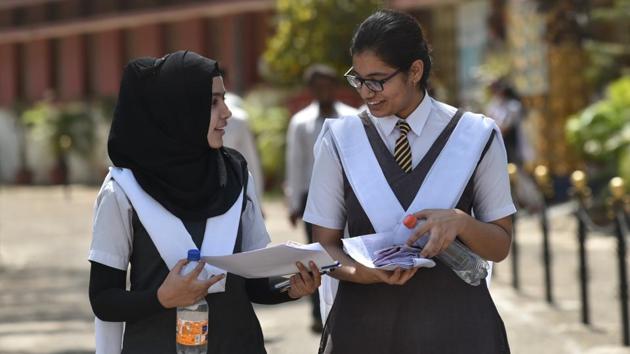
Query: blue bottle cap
(194,255)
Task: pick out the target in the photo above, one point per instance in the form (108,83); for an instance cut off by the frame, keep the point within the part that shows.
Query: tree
(312,31)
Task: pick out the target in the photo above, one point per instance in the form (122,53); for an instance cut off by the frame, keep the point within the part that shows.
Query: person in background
(239,137)
(303,130)
(506,109)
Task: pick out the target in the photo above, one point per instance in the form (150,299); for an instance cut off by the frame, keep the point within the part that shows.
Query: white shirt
(492,199)
(112,233)
(303,130)
(239,137)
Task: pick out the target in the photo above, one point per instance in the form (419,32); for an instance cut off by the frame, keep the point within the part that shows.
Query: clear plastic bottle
(191,332)
(465,263)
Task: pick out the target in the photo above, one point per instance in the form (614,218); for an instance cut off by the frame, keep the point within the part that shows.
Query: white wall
(9,147)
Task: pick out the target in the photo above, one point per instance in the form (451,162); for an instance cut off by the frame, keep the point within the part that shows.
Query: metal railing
(618,207)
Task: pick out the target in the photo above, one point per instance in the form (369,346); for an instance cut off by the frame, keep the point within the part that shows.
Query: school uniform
(168,193)
(435,311)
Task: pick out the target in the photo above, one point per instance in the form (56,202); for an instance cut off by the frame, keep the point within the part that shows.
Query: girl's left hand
(305,282)
(442,226)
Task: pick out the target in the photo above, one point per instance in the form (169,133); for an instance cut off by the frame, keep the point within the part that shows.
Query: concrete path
(45,234)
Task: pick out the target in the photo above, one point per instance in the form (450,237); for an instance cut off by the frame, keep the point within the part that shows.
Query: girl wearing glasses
(408,134)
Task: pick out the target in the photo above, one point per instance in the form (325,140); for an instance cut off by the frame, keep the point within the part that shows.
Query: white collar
(417,119)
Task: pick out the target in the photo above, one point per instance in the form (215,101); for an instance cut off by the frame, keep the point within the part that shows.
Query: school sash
(441,189)
(172,240)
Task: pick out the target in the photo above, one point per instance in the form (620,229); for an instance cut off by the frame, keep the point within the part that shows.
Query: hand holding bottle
(441,226)
(183,290)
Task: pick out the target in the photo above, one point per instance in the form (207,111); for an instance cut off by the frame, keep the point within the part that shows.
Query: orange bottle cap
(410,221)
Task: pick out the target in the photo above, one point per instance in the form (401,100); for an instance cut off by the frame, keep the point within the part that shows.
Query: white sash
(441,189)
(172,240)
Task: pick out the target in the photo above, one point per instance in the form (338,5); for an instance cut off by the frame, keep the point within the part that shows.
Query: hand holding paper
(273,261)
(378,251)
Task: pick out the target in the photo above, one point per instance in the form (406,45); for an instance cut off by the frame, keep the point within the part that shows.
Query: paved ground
(45,234)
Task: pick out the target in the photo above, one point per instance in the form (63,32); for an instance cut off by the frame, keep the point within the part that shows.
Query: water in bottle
(191,332)
(465,263)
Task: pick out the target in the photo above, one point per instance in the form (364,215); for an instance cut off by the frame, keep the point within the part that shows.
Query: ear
(415,71)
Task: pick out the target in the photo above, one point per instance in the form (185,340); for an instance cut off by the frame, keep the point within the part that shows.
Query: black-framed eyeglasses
(373,85)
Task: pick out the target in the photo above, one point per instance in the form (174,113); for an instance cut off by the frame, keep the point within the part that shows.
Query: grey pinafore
(435,312)
(233,325)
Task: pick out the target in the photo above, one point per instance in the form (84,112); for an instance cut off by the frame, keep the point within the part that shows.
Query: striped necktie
(402,151)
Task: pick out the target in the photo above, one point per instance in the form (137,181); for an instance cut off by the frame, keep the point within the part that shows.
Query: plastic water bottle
(465,263)
(191,332)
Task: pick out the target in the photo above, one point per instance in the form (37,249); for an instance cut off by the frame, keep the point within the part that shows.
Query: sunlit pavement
(45,235)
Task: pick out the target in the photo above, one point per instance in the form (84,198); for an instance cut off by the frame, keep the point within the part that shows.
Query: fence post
(617,189)
(513,173)
(582,194)
(541,174)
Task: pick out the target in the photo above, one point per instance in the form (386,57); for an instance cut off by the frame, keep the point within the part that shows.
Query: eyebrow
(219,94)
(371,75)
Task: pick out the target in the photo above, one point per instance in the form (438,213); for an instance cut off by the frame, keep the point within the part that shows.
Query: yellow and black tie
(402,151)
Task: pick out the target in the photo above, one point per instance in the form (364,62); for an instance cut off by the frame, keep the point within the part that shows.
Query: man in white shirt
(303,130)
(239,137)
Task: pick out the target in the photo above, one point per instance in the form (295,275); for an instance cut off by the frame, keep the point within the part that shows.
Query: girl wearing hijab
(175,187)
(409,155)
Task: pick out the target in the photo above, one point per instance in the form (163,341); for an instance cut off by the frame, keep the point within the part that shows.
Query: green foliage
(313,31)
(269,120)
(65,128)
(601,132)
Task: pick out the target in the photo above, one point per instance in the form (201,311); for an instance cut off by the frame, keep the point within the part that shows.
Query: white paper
(362,249)
(272,261)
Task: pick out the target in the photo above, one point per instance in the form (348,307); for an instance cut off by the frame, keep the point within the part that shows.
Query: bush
(601,132)
(269,120)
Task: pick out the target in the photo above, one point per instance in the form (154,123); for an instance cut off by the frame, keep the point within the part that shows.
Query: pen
(285,285)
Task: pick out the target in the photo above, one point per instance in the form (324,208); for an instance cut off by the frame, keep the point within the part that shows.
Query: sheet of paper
(272,261)
(363,249)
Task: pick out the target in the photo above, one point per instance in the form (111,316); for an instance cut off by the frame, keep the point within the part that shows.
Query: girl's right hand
(397,277)
(184,290)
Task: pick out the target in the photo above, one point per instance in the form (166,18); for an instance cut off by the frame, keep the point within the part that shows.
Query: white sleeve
(294,170)
(112,231)
(325,205)
(254,232)
(253,161)
(492,199)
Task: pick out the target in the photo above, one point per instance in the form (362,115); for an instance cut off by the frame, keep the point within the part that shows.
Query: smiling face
(400,95)
(219,114)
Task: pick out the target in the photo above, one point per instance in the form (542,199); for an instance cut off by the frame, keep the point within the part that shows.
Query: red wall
(71,68)
(189,35)
(107,64)
(37,69)
(9,74)
(144,41)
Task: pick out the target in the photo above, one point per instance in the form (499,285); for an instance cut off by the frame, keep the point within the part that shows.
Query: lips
(375,104)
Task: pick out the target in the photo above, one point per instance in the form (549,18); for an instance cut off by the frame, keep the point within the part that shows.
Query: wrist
(163,298)
(464,223)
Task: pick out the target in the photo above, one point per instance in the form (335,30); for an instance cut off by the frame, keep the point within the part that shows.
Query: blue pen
(285,285)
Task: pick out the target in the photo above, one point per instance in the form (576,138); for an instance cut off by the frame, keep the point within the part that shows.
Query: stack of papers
(273,261)
(378,251)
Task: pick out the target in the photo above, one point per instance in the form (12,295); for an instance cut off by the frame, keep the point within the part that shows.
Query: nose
(365,92)
(226,112)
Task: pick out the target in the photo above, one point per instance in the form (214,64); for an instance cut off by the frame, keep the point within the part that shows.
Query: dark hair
(396,38)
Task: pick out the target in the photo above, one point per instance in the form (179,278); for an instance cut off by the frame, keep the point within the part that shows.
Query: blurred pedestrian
(506,108)
(175,187)
(238,136)
(410,154)
(304,128)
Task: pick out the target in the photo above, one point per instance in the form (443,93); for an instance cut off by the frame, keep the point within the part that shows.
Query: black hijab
(160,132)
